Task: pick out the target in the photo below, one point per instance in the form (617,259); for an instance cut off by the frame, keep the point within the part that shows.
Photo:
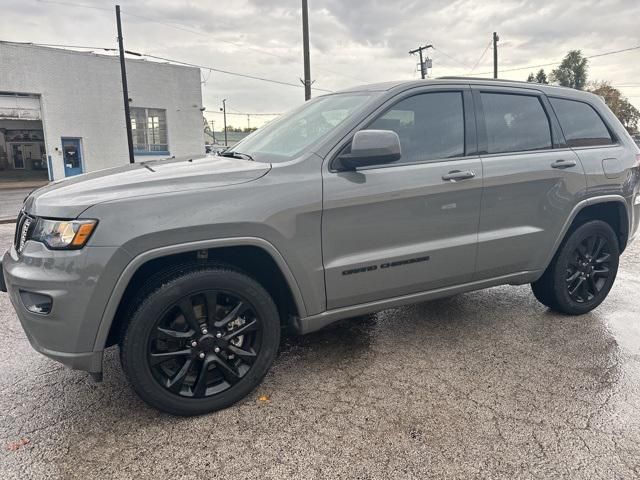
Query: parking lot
(482,385)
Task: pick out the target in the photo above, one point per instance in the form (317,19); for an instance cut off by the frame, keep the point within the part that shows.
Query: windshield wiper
(232,154)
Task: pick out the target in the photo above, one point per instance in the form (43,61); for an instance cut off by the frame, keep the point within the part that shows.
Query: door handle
(457,175)
(564,164)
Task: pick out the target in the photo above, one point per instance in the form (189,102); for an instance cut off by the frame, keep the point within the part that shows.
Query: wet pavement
(482,385)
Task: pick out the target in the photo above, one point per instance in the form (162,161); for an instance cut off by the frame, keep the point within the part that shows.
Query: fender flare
(125,277)
(576,211)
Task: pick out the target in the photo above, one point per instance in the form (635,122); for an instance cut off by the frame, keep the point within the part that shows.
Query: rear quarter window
(580,123)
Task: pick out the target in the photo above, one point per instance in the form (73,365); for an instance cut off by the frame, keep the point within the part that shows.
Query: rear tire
(582,272)
(200,340)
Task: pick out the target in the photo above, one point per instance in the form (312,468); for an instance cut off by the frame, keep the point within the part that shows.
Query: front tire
(200,341)
(582,272)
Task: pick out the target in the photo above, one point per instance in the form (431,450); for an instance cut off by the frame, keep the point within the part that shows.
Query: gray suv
(357,201)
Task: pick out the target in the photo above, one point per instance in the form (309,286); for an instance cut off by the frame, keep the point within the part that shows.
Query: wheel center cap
(207,343)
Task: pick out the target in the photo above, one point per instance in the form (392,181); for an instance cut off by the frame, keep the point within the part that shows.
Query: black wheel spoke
(246,328)
(232,315)
(601,272)
(584,291)
(248,356)
(582,251)
(228,372)
(604,258)
(593,287)
(212,304)
(169,333)
(177,380)
(158,358)
(200,387)
(572,278)
(598,247)
(186,308)
(573,291)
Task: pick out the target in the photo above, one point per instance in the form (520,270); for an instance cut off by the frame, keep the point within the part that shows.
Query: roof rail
(451,77)
(484,79)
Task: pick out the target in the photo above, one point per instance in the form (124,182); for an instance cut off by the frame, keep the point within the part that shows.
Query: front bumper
(79,283)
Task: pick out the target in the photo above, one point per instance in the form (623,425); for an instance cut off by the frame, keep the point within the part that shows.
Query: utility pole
(248,122)
(213,131)
(224,115)
(305,44)
(495,54)
(423,69)
(125,89)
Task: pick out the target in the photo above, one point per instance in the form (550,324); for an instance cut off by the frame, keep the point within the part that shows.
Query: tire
(200,340)
(583,270)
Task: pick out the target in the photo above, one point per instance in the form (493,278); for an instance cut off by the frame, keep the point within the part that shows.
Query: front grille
(24,224)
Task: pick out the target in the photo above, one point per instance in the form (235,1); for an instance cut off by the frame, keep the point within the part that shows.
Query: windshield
(290,134)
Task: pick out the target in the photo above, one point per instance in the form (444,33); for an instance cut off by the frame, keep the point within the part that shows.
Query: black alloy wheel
(582,271)
(588,268)
(199,338)
(205,343)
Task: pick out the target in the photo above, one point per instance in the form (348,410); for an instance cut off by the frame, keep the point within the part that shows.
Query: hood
(68,198)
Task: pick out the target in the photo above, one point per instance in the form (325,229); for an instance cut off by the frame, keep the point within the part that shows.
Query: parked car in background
(357,201)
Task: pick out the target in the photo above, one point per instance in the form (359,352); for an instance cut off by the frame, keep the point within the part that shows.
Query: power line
(452,58)
(228,72)
(179,62)
(481,56)
(196,32)
(603,54)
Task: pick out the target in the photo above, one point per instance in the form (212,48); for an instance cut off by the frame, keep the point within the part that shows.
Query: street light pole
(125,89)
(495,54)
(305,45)
(224,115)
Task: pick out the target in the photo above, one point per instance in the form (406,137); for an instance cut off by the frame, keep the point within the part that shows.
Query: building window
(149,127)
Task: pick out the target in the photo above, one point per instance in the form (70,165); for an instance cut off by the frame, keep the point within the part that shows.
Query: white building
(62,112)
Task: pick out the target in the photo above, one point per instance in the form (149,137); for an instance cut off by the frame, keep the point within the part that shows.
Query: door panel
(72,156)
(525,204)
(528,195)
(399,230)
(412,225)
(18,156)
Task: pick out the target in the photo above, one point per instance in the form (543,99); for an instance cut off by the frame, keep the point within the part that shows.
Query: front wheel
(582,272)
(200,341)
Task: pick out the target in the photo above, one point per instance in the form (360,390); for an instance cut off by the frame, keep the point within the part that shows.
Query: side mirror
(370,147)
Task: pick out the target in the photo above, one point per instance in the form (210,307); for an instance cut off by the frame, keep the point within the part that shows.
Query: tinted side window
(580,123)
(515,123)
(430,126)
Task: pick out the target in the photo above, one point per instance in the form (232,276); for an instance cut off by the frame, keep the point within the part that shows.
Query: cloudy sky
(352,41)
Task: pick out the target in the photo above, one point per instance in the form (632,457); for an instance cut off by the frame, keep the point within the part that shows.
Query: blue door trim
(72,157)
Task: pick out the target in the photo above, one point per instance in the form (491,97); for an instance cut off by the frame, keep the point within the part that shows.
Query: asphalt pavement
(488,384)
(11,200)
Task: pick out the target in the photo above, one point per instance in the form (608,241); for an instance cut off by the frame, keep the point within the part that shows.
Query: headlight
(63,234)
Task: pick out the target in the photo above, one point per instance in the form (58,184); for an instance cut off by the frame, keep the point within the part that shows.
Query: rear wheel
(200,341)
(582,272)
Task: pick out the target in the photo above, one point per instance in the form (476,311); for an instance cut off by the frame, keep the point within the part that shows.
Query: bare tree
(628,115)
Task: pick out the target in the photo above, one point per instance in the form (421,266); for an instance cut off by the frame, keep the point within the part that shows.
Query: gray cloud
(353,41)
